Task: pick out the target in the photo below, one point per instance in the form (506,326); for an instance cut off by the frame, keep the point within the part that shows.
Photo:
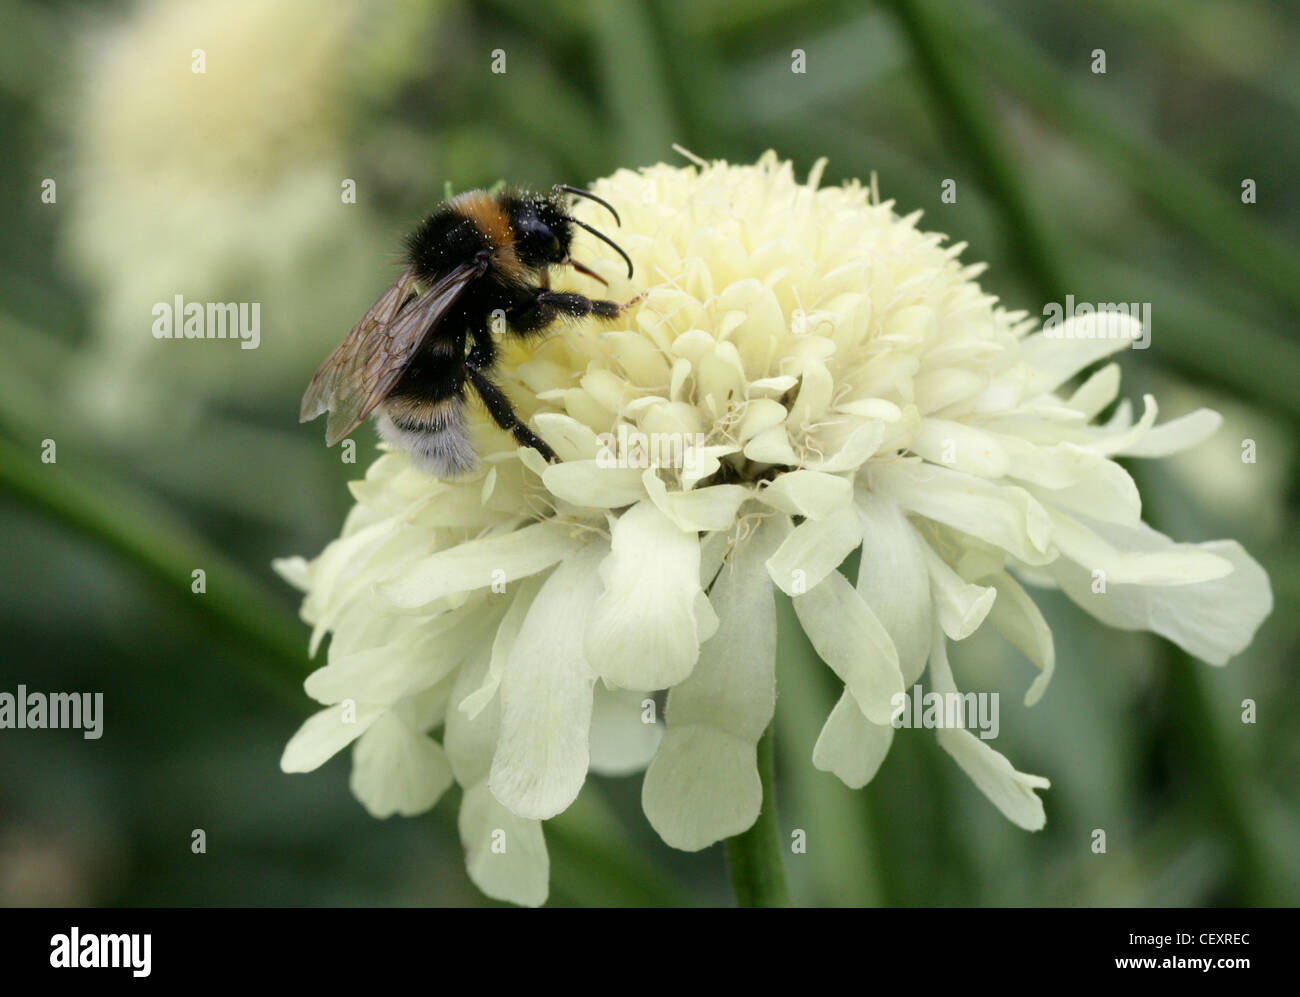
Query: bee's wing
(331,376)
(365,367)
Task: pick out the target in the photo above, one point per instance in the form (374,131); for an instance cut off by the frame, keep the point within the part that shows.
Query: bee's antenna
(606,239)
(590,197)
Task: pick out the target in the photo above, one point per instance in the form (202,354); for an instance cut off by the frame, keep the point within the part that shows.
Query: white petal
(1071,477)
(713,549)
(1213,620)
(346,566)
(478,564)
(893,581)
(533,460)
(1077,343)
(772,387)
(1017,617)
(426,710)
(703,783)
(396,770)
(587,483)
(1097,392)
(1122,417)
(570,439)
(702,786)
(1122,436)
(712,508)
(294,570)
(813,550)
(814,395)
(872,408)
(942,388)
(771,446)
(542,756)
(703,462)
(856,449)
(811,494)
(645,629)
(1010,791)
(855,644)
(471,740)
(760,414)
(1003,515)
(505,855)
(961,605)
(1178,434)
(1174,564)
(621,742)
(326,733)
(502,643)
(961,447)
(850,745)
(386,673)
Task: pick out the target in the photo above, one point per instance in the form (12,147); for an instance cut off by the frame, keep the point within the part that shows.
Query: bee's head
(543,229)
(543,232)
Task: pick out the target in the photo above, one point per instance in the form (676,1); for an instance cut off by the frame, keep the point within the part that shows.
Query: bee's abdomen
(433,433)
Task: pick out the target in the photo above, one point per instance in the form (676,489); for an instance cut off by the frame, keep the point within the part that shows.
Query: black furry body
(510,241)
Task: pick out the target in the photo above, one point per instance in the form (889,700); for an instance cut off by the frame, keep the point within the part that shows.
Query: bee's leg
(483,352)
(576,306)
(503,413)
(546,306)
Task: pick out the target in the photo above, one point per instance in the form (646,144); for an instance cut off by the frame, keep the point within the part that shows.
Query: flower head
(806,375)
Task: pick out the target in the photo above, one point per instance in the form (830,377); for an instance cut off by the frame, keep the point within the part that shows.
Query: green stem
(149,538)
(754,857)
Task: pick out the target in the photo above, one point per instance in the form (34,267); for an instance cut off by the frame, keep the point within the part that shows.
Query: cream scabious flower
(852,389)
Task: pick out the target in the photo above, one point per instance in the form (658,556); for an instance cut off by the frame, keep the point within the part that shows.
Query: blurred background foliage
(226,186)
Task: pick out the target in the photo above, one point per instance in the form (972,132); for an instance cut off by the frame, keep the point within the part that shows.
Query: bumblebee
(429,336)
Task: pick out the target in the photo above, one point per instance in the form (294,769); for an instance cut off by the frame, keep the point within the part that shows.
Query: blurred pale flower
(224,184)
(855,389)
(1251,470)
